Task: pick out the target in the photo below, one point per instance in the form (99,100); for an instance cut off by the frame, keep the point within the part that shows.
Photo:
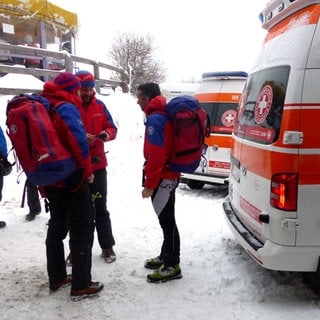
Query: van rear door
(258,154)
(219,95)
(217,153)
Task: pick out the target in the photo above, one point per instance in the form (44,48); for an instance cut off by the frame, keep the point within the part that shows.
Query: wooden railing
(16,54)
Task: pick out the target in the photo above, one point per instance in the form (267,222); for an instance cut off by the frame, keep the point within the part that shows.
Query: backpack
(190,125)
(39,150)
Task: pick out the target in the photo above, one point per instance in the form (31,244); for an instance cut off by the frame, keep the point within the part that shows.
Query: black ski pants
(163,201)
(102,216)
(70,211)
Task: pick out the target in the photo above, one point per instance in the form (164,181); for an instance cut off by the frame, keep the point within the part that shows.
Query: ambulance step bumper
(239,228)
(271,255)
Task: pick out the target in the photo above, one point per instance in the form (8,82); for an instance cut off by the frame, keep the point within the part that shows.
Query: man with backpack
(100,128)
(70,199)
(159,182)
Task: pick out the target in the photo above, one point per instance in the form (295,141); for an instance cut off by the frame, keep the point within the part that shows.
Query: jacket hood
(157,104)
(55,94)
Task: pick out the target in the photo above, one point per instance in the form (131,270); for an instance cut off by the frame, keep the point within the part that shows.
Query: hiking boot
(108,255)
(164,274)
(92,291)
(2,224)
(69,260)
(56,286)
(31,215)
(153,263)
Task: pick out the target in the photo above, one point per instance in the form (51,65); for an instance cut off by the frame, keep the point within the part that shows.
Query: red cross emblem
(228,118)
(263,104)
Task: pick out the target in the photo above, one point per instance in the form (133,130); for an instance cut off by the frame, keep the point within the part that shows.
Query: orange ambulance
(219,94)
(273,207)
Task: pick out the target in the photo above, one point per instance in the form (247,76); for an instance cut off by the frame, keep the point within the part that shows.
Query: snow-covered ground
(220,281)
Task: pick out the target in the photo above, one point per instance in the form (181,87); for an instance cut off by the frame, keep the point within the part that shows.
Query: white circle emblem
(150,130)
(263,104)
(228,118)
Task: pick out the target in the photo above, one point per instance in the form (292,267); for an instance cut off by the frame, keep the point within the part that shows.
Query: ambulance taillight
(283,193)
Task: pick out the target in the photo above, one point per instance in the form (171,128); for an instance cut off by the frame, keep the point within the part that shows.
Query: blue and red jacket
(69,125)
(158,144)
(3,144)
(97,118)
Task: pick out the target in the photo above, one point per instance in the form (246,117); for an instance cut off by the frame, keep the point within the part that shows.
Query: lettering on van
(263,104)
(250,209)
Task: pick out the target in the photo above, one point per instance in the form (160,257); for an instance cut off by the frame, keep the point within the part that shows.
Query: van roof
(277,10)
(225,74)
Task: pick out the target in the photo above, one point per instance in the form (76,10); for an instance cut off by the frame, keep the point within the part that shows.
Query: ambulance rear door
(219,95)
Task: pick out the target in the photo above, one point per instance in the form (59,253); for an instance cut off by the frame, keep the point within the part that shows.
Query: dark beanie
(68,82)
(86,78)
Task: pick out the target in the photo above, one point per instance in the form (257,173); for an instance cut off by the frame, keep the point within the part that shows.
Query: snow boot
(92,291)
(164,274)
(153,263)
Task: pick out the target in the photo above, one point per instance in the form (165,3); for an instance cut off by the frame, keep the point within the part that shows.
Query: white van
(173,89)
(219,94)
(273,207)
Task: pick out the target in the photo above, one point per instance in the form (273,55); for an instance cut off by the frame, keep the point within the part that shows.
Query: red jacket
(69,125)
(97,118)
(158,144)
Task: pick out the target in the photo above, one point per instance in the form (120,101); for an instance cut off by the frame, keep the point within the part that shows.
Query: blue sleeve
(155,129)
(3,143)
(109,120)
(109,117)
(76,134)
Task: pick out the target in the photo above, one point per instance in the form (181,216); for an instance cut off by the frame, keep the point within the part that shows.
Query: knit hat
(86,78)
(68,82)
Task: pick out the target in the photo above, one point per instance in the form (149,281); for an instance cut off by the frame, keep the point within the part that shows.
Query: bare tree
(136,55)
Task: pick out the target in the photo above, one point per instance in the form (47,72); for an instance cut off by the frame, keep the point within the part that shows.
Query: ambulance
(273,206)
(219,94)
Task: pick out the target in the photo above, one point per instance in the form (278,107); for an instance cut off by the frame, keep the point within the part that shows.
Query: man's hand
(90,178)
(91,138)
(147,192)
(104,136)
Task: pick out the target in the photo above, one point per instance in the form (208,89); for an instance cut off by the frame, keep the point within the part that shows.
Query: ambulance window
(261,106)
(222,116)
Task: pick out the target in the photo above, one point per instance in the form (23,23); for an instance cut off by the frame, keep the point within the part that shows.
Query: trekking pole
(24,194)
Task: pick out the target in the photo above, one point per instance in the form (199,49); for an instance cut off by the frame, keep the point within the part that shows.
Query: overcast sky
(191,37)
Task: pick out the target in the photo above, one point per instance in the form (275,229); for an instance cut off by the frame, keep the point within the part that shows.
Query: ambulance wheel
(194,184)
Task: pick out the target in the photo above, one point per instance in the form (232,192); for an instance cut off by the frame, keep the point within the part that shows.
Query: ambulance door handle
(292,137)
(215,147)
(244,170)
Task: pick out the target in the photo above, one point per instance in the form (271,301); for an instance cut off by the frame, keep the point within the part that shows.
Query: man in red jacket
(159,182)
(70,200)
(100,129)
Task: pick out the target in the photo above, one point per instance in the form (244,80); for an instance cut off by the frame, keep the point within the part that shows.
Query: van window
(261,106)
(222,116)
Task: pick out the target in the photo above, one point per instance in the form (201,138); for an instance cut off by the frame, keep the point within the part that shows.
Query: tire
(194,184)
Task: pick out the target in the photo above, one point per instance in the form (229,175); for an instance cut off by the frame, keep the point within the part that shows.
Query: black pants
(33,199)
(102,216)
(70,211)
(163,201)
(1,187)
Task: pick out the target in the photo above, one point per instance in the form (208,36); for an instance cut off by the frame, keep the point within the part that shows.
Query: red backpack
(39,150)
(191,125)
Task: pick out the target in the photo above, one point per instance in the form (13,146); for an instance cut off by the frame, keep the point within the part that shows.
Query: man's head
(68,82)
(146,92)
(88,82)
